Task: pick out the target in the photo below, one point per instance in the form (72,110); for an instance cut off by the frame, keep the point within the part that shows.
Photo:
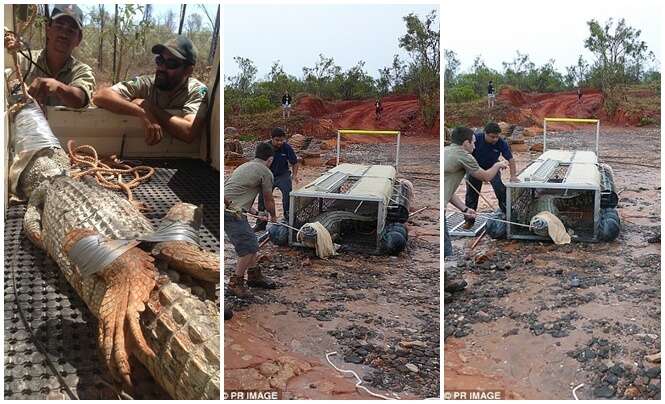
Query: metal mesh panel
(59,318)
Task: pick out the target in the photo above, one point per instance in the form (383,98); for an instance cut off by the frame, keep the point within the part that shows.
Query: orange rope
(109,172)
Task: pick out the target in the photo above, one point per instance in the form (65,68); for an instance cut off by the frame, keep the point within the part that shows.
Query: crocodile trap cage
(571,184)
(357,203)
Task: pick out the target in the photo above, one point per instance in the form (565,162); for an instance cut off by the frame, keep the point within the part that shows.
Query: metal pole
(544,135)
(397,157)
(115,43)
(338,147)
(182,18)
(597,137)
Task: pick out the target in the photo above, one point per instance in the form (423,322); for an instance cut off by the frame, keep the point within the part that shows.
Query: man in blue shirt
(489,147)
(283,158)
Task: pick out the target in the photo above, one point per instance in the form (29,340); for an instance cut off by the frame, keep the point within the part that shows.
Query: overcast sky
(297,34)
(543,30)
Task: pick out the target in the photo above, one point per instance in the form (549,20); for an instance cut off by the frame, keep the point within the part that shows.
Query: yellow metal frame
(578,120)
(341,132)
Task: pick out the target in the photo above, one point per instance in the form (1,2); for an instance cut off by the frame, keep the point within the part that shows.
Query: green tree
(319,76)
(577,75)
(452,68)
(422,42)
(619,58)
(244,80)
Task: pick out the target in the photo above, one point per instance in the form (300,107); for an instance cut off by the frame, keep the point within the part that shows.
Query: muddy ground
(381,314)
(537,320)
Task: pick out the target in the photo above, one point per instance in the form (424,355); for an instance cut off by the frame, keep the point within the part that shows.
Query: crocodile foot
(128,282)
(190,259)
(186,257)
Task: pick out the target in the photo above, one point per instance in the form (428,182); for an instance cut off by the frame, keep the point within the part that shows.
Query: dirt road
(358,305)
(523,325)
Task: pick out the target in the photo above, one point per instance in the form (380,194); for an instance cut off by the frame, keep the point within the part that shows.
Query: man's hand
(153,130)
(41,88)
(273,218)
(513,178)
(502,164)
(470,214)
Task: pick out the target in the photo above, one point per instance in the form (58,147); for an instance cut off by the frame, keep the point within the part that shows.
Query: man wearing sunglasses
(54,76)
(171,87)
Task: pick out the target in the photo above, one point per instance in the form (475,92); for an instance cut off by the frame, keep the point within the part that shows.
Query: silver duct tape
(173,231)
(32,131)
(92,253)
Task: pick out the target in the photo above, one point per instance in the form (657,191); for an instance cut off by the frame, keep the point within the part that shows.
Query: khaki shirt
(456,163)
(74,73)
(246,182)
(190,97)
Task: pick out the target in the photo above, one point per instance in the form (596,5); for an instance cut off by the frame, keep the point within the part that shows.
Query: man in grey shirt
(240,191)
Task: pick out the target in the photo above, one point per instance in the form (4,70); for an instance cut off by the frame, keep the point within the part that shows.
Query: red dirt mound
(400,112)
(563,104)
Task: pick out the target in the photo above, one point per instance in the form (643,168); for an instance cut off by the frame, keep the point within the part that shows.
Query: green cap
(68,10)
(180,46)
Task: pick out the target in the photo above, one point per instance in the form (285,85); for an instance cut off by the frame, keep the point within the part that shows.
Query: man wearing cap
(55,77)
(171,87)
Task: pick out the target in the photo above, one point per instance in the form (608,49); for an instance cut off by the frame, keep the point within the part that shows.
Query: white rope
(358,379)
(575,389)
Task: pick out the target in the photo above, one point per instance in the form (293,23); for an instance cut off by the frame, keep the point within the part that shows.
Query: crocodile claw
(128,281)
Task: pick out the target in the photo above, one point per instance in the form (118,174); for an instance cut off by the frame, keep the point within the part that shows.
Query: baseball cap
(68,10)
(180,46)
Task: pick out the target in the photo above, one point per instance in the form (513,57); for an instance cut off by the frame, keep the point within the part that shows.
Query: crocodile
(141,312)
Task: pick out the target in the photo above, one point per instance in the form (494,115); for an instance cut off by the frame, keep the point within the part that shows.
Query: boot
(238,288)
(256,279)
(260,226)
(468,224)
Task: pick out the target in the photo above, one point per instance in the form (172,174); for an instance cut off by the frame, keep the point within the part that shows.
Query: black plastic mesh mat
(58,317)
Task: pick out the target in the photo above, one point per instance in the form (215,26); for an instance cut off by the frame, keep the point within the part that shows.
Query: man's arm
(457,202)
(181,128)
(269,201)
(487,175)
(108,99)
(70,96)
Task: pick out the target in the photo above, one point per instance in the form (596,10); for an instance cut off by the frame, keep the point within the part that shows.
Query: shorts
(286,106)
(492,96)
(241,234)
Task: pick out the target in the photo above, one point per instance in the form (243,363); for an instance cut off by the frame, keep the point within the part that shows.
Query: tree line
(117,39)
(620,58)
(419,74)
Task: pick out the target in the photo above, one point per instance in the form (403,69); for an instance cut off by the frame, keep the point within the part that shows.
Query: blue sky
(296,34)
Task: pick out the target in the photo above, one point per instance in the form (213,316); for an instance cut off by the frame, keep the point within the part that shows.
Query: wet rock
(411,344)
(455,285)
(603,391)
(618,370)
(482,316)
(611,379)
(653,373)
(353,358)
(538,329)
(412,367)
(459,333)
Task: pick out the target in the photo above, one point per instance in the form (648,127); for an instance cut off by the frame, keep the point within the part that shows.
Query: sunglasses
(170,64)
